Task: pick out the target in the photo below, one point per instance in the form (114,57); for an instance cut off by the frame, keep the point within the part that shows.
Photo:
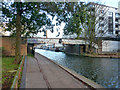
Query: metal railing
(18,75)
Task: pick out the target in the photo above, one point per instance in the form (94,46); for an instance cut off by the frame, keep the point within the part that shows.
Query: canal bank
(104,55)
(103,71)
(95,55)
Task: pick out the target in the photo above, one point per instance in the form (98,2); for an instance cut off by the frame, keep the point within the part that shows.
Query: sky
(113,3)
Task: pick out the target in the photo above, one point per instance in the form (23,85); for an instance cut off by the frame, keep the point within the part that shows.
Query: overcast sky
(113,3)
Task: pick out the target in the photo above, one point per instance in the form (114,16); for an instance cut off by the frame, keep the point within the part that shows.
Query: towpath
(42,73)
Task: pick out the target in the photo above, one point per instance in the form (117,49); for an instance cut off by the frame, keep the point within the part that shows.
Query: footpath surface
(42,73)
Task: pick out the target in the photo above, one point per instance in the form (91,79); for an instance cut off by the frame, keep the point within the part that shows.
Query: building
(107,18)
(108,22)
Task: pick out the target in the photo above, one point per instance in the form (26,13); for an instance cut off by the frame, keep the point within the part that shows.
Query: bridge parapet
(67,41)
(54,41)
(42,40)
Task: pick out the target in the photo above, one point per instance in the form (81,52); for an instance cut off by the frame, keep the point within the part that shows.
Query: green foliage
(34,15)
(77,18)
(7,65)
(30,55)
(2,48)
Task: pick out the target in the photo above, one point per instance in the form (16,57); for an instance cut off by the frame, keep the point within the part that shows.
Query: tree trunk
(91,48)
(18,36)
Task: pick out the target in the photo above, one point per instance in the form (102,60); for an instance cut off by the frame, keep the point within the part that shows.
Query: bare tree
(95,25)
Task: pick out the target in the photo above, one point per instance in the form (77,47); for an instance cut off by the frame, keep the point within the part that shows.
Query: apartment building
(110,19)
(114,21)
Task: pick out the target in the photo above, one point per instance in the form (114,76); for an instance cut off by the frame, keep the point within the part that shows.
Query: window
(101,24)
(101,31)
(110,19)
(110,26)
(116,9)
(101,18)
(116,32)
(110,13)
(110,32)
(117,14)
(116,19)
(116,26)
(101,11)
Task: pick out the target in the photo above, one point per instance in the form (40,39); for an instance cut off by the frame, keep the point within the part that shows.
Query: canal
(103,71)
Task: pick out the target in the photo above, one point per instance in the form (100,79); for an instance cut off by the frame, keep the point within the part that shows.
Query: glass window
(116,26)
(110,32)
(117,14)
(116,32)
(101,11)
(101,31)
(101,18)
(116,19)
(101,24)
(110,13)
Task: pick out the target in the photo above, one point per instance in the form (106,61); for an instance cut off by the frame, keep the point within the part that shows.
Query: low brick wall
(8,43)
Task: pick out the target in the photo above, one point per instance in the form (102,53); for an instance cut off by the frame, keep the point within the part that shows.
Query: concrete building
(107,19)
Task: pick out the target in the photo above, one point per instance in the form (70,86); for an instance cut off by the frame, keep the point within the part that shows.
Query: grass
(8,71)
(19,81)
(30,55)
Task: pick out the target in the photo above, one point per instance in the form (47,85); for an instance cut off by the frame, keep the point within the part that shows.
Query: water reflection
(104,71)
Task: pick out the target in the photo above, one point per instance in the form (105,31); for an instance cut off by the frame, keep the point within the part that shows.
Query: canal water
(103,71)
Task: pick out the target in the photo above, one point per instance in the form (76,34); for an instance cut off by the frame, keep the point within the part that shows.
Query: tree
(76,19)
(90,21)
(23,20)
(96,24)
(26,18)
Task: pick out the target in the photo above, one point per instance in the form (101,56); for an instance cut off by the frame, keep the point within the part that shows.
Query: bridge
(38,40)
(70,45)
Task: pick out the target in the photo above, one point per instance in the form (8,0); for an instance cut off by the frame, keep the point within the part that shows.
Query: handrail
(17,75)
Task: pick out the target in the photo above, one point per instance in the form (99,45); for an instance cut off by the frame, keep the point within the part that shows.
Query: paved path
(42,73)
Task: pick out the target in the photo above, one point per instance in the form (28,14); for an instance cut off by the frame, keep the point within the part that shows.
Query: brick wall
(9,46)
